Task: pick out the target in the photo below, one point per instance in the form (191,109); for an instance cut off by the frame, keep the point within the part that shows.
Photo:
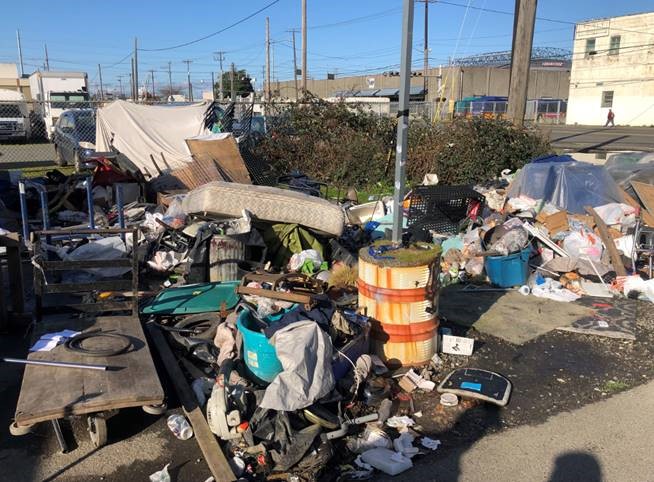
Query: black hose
(74,344)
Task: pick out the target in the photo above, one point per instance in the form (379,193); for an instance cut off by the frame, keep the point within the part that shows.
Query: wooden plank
(645,193)
(205,438)
(609,244)
(275,295)
(117,285)
(52,392)
(100,306)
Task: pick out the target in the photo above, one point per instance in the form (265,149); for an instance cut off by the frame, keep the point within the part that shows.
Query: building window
(590,47)
(607,98)
(614,46)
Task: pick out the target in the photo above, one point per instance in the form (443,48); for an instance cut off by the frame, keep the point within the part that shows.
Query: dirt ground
(557,372)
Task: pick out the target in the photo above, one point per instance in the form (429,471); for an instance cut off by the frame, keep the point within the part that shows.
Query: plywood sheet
(225,154)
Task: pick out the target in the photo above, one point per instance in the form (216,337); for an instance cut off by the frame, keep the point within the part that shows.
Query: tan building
(10,80)
(451,83)
(613,68)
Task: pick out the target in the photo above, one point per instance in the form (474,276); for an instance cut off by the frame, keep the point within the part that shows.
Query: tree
(242,84)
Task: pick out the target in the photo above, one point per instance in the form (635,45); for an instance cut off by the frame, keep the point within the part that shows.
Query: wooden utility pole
(304,47)
(120,86)
(20,53)
(266,90)
(170,79)
(232,86)
(131,82)
(219,57)
(188,79)
(425,68)
(101,86)
(213,86)
(47,59)
(520,60)
(152,76)
(294,63)
(136,69)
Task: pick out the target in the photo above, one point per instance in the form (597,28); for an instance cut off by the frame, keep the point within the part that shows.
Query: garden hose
(75,344)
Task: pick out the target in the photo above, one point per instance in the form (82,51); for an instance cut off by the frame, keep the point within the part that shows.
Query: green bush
(347,146)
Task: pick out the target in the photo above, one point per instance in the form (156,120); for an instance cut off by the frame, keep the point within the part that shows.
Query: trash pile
(301,330)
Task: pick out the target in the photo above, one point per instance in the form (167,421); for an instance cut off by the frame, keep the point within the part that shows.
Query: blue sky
(344,37)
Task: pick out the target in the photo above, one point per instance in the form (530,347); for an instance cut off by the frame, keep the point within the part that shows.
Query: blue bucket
(259,354)
(508,271)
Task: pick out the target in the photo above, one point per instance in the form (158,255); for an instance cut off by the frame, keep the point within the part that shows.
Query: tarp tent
(138,131)
(566,183)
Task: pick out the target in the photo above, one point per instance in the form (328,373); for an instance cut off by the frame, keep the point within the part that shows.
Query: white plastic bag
(582,245)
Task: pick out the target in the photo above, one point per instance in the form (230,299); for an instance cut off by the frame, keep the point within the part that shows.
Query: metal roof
(416,90)
(392,92)
(344,93)
(366,93)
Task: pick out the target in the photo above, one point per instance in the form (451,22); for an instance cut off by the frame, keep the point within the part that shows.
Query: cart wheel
(17,430)
(97,427)
(159,409)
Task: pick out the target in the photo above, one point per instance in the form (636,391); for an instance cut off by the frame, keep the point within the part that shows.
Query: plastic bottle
(180,427)
(388,461)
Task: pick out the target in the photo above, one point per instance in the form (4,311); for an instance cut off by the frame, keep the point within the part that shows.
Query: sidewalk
(609,441)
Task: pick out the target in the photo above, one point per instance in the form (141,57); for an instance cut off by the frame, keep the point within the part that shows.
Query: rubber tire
(18,431)
(212,318)
(59,160)
(155,409)
(97,427)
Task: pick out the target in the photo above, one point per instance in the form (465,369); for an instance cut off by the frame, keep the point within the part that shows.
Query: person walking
(609,119)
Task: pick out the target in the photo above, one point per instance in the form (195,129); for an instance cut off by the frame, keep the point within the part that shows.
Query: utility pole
(402,119)
(188,77)
(101,87)
(231,81)
(266,89)
(304,47)
(20,53)
(213,86)
(131,82)
(170,79)
(220,56)
(136,70)
(47,59)
(120,86)
(425,68)
(520,59)
(152,76)
(294,64)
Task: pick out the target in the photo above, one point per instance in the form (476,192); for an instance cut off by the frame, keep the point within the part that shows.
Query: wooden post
(606,238)
(213,454)
(520,60)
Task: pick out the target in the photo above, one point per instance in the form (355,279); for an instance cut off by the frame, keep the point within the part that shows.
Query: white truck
(14,116)
(55,92)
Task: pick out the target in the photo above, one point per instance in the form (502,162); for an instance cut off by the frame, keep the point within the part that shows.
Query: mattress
(229,199)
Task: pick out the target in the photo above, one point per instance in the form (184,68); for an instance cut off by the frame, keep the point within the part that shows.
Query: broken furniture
(643,245)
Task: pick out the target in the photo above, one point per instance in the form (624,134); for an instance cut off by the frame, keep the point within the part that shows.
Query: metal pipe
(89,201)
(23,211)
(55,364)
(43,197)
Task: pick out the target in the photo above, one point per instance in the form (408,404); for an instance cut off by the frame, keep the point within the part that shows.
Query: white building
(613,68)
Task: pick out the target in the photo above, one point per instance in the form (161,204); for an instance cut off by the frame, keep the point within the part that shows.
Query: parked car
(74,136)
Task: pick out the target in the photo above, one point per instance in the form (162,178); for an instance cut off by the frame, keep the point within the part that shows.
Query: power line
(238,22)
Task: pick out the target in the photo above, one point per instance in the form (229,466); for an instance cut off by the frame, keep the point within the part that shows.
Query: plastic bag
(174,215)
(617,213)
(584,244)
(307,261)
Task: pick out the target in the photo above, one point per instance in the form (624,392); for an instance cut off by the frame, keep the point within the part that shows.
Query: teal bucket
(259,354)
(508,271)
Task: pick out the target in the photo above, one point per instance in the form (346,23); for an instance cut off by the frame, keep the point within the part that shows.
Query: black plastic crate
(442,209)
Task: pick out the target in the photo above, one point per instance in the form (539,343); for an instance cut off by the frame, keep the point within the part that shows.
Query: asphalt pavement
(574,138)
(605,441)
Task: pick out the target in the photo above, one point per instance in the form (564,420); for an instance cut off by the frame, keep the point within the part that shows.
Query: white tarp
(138,130)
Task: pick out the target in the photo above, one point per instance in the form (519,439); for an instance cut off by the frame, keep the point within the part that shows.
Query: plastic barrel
(259,354)
(403,301)
(508,271)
